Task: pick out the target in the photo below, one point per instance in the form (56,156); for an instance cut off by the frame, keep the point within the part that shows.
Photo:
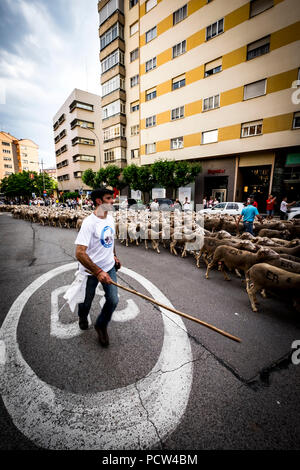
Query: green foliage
(185,173)
(88,178)
(163,172)
(71,195)
(20,184)
(100,178)
(113,177)
(131,176)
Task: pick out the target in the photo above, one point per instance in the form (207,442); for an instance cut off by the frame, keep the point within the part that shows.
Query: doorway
(219,194)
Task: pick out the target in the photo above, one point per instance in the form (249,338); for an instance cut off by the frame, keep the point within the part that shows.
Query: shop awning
(292,159)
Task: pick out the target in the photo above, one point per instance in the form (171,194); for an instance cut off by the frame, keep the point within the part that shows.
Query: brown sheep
(265,232)
(286,264)
(264,276)
(240,260)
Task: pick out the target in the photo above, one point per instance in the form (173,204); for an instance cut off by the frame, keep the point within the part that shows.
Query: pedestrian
(204,202)
(210,202)
(249,213)
(270,206)
(254,203)
(284,207)
(154,205)
(215,202)
(177,205)
(186,206)
(96,254)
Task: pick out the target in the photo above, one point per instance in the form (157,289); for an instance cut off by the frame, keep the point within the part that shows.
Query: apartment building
(207,81)
(17,155)
(77,137)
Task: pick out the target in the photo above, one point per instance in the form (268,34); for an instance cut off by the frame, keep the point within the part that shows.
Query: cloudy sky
(47,48)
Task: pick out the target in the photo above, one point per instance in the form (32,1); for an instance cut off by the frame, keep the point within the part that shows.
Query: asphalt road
(156,386)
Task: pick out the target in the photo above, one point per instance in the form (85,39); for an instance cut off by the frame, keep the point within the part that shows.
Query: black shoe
(83,323)
(102,335)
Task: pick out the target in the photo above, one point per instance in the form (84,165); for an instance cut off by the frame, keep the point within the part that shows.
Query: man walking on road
(249,213)
(96,254)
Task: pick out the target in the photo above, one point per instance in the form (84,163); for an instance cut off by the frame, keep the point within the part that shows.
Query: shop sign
(213,172)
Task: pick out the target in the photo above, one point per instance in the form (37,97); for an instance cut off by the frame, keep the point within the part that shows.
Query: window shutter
(254,89)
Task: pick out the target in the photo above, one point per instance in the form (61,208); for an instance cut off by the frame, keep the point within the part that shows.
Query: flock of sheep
(270,260)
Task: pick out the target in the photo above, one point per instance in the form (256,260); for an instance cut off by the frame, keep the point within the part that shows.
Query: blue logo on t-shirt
(107,236)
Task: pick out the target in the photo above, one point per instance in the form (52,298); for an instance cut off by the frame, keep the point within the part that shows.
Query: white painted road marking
(2,353)
(70,330)
(126,418)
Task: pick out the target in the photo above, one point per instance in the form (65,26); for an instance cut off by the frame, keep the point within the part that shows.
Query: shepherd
(97,258)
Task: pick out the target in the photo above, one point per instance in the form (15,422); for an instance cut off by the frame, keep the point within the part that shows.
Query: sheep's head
(267,254)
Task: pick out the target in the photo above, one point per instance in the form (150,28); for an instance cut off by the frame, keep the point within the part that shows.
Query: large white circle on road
(138,416)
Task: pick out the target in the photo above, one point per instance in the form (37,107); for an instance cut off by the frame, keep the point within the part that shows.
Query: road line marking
(113,419)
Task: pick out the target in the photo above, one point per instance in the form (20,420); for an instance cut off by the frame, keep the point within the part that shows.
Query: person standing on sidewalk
(284,207)
(96,254)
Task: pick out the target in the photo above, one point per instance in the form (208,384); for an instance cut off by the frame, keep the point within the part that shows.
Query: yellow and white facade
(208,81)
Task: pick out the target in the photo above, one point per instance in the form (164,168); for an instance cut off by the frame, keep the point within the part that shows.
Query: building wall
(28,155)
(8,155)
(75,183)
(279,67)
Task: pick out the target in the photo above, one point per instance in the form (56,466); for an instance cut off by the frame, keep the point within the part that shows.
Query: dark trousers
(248,227)
(283,215)
(111,299)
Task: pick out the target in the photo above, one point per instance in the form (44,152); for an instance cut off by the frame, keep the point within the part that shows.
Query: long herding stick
(185,315)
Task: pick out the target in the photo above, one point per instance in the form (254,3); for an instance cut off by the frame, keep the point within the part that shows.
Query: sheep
(264,276)
(274,233)
(238,259)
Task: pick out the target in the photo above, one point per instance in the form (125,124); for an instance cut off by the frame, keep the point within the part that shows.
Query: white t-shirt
(283,206)
(98,235)
(186,206)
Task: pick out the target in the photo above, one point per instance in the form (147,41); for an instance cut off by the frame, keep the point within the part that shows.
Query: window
(135,153)
(213,67)
(150,64)
(134,81)
(116,57)
(117,30)
(209,137)
(6,143)
(114,132)
(7,166)
(211,103)
(132,3)
(63,149)
(109,9)
(150,148)
(150,94)
(178,82)
(25,161)
(258,6)
(134,130)
(109,155)
(179,49)
(115,83)
(134,106)
(79,104)
(83,140)
(150,4)
(84,158)
(63,163)
(7,158)
(151,121)
(134,54)
(252,90)
(151,34)
(296,120)
(177,113)
(82,123)
(215,29)
(63,177)
(6,151)
(250,129)
(180,14)
(232,206)
(134,28)
(77,174)
(177,143)
(258,48)
(116,107)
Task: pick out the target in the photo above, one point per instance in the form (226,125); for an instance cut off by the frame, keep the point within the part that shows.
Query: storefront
(286,181)
(216,180)
(254,177)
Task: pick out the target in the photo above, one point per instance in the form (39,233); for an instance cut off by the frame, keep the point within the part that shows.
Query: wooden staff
(189,317)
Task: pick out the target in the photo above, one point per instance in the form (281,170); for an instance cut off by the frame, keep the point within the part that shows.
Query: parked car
(165,204)
(294,211)
(231,208)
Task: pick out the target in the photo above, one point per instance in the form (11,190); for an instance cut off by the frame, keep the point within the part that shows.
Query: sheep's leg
(209,267)
(146,244)
(183,254)
(251,290)
(224,273)
(237,272)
